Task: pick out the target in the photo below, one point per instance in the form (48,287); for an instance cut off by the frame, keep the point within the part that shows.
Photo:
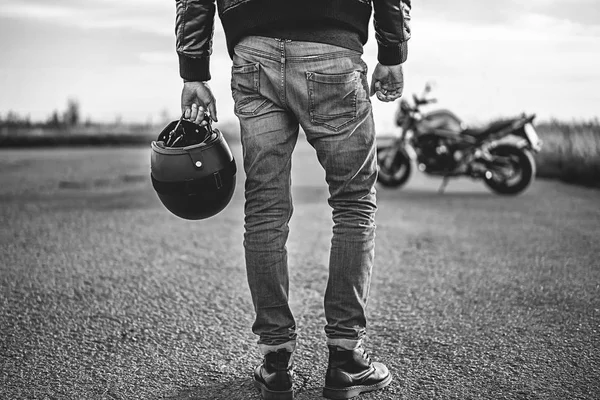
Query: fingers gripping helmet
(192,170)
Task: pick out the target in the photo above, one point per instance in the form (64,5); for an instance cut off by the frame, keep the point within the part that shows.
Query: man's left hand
(387,82)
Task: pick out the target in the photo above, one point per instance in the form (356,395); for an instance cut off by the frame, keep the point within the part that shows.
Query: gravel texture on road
(105,295)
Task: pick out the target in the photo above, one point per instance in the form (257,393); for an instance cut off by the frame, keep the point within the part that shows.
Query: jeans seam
(273,306)
(258,53)
(282,96)
(323,57)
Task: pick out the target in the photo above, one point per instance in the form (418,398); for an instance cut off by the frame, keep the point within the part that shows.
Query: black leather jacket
(196,18)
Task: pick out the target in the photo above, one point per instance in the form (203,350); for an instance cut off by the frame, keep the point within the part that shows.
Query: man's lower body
(278,86)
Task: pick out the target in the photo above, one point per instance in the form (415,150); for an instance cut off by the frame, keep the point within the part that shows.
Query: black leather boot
(274,376)
(351,372)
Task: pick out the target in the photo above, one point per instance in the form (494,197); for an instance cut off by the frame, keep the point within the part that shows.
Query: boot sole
(353,391)
(273,394)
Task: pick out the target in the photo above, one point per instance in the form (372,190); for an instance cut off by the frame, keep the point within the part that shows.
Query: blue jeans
(278,86)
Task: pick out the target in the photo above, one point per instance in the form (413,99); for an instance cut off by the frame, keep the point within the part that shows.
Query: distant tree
(13,119)
(10,117)
(54,120)
(72,115)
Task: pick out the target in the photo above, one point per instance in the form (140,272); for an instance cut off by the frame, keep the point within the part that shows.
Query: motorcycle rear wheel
(523,170)
(397,172)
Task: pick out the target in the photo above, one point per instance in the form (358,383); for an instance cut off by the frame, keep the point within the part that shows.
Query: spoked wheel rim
(512,170)
(393,170)
(507,171)
(389,167)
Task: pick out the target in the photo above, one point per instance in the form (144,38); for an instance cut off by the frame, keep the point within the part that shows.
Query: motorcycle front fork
(390,157)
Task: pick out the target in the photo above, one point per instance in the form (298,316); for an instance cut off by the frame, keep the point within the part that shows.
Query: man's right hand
(196,100)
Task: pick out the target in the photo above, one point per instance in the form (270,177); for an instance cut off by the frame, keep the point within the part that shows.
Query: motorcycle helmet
(192,169)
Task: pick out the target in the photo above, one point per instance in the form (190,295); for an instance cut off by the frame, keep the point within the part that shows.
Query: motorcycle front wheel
(393,172)
(511,171)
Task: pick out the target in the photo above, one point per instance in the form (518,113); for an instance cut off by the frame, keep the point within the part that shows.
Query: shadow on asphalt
(435,195)
(234,389)
(238,389)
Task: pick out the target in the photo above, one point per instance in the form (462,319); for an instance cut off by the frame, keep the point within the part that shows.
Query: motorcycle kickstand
(443,185)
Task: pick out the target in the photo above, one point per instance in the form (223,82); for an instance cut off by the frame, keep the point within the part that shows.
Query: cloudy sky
(117,57)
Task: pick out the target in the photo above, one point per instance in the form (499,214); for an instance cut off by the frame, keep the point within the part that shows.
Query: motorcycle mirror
(429,86)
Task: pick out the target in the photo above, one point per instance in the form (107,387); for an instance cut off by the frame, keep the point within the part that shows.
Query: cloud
(149,16)
(35,11)
(159,57)
(526,26)
(585,12)
(480,12)
(556,28)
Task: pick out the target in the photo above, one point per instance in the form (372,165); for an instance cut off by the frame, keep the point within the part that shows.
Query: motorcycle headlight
(404,106)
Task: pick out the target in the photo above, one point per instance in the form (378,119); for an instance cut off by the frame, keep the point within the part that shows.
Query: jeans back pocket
(245,88)
(332,98)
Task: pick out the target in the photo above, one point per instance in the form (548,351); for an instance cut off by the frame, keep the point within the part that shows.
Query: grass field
(570,152)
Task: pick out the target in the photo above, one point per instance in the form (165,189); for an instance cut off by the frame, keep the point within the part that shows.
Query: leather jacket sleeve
(392,30)
(194,28)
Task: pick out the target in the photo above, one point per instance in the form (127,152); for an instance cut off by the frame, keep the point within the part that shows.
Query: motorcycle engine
(439,154)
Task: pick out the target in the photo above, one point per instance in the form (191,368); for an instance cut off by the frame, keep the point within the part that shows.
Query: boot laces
(366,356)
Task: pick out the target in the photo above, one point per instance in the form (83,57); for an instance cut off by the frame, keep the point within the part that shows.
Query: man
(298,63)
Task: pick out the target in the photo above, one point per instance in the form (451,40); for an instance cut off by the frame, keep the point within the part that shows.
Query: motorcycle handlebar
(422,101)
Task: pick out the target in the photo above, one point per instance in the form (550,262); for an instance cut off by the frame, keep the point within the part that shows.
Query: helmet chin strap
(173,132)
(179,122)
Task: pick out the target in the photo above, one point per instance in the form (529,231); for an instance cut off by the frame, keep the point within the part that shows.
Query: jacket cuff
(392,55)
(194,69)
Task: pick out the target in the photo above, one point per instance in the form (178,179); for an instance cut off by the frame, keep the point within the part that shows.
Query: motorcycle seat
(494,127)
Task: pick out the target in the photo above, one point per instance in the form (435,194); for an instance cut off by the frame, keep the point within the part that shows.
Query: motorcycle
(500,154)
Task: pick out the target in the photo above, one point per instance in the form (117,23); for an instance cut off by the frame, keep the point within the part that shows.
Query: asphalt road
(105,295)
